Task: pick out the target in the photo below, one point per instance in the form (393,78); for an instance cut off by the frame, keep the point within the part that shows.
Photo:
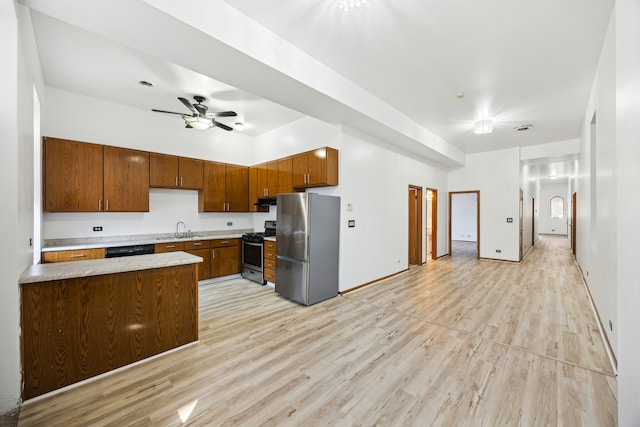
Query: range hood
(266,201)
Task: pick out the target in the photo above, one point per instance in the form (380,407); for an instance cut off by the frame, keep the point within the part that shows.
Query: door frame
(434,222)
(573,223)
(477,192)
(416,228)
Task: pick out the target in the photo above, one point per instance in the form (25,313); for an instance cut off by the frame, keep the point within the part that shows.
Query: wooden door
(73,176)
(191,174)
(434,223)
(285,177)
(225,261)
(126,180)
(212,197)
(237,188)
(574,229)
(163,170)
(300,166)
(415,225)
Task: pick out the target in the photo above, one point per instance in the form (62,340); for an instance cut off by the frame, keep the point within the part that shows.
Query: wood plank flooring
(457,342)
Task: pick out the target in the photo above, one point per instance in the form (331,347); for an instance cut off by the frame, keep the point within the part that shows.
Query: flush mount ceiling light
(238,126)
(198,122)
(483,126)
(350,4)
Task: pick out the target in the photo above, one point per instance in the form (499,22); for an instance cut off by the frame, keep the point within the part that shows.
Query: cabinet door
(168,247)
(272,179)
(126,180)
(285,177)
(261,181)
(300,166)
(73,255)
(212,197)
(225,261)
(204,268)
(237,188)
(191,174)
(72,176)
(163,170)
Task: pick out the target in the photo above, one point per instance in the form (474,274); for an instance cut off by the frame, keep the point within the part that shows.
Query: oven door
(252,255)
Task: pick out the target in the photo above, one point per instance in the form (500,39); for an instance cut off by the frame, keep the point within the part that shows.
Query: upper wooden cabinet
(126,180)
(72,176)
(82,177)
(168,171)
(285,175)
(226,188)
(315,168)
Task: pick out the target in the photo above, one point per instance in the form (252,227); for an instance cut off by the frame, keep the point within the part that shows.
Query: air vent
(522,128)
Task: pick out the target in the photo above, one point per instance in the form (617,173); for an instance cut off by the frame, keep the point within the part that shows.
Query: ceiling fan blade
(168,112)
(225,114)
(188,104)
(202,109)
(223,126)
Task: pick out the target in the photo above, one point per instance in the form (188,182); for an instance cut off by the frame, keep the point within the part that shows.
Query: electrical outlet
(229,224)
(99,228)
(498,251)
(352,223)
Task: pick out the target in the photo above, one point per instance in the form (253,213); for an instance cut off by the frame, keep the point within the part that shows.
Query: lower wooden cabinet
(226,257)
(201,248)
(74,255)
(269,267)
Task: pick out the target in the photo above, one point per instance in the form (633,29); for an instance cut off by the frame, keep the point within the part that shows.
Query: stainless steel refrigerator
(307,247)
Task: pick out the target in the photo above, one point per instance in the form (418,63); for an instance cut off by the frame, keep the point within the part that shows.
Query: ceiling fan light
(483,126)
(238,126)
(197,122)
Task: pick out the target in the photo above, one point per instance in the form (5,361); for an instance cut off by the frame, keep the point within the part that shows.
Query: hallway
(455,342)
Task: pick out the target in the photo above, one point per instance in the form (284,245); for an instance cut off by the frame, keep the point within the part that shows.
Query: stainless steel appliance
(307,253)
(253,252)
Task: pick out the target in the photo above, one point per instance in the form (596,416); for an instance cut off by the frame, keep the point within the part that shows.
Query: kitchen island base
(77,328)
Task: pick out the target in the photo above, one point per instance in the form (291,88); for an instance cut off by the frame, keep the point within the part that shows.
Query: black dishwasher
(118,251)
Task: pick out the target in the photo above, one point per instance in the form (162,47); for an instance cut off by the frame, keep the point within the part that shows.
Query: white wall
(597,253)
(627,34)
(375,181)
(499,199)
(464,217)
(547,224)
(19,71)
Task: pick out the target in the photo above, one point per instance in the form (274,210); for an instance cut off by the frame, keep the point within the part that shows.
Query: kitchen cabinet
(315,168)
(72,255)
(269,265)
(72,176)
(168,247)
(166,171)
(226,257)
(83,177)
(267,179)
(126,180)
(285,175)
(201,248)
(226,188)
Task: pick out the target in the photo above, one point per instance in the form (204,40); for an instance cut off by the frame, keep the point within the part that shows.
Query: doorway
(521,217)
(432,224)
(415,225)
(533,221)
(464,222)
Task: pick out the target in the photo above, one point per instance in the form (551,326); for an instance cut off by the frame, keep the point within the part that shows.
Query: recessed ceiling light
(145,83)
(522,128)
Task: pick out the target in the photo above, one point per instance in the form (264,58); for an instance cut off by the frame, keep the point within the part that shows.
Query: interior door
(573,223)
(415,225)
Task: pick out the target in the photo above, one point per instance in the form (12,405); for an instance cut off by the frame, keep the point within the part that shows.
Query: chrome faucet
(178,234)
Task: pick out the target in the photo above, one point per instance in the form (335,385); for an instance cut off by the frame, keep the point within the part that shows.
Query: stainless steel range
(253,253)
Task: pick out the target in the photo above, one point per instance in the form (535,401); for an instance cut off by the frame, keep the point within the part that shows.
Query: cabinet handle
(225,242)
(77,256)
(197,244)
(107,208)
(213,254)
(100,205)
(180,181)
(176,181)
(170,246)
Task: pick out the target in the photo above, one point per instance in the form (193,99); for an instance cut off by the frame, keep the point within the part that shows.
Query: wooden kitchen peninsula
(84,318)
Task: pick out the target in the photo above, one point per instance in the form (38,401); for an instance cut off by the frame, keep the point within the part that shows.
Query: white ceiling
(518,62)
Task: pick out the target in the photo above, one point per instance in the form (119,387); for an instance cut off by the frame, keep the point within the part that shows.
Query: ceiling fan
(200,118)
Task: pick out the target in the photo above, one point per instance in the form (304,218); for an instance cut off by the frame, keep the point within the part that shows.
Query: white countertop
(105,242)
(95,267)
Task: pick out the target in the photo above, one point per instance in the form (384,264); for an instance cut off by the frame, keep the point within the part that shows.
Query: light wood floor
(454,343)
